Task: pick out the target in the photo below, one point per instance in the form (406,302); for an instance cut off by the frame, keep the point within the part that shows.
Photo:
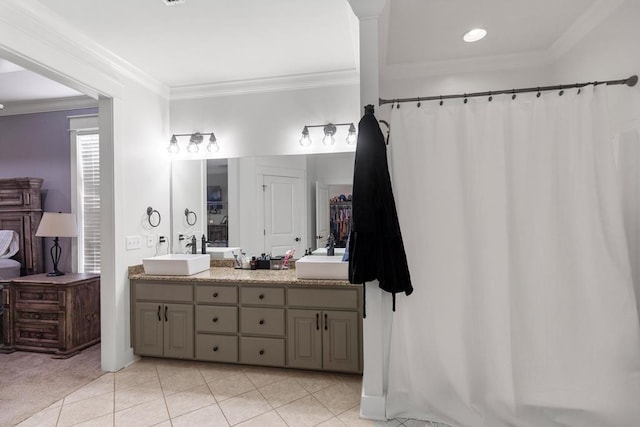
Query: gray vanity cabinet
(164,320)
(217,323)
(324,338)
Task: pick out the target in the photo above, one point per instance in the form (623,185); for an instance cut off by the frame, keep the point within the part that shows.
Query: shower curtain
(524,311)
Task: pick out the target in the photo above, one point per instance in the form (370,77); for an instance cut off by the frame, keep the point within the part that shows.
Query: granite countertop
(232,275)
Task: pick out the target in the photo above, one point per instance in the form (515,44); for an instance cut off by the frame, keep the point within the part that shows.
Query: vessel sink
(322,267)
(176,264)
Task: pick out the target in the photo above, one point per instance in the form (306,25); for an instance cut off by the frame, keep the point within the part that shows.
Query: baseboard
(373,407)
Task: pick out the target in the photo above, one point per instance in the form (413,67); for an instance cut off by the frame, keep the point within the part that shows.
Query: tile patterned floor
(165,393)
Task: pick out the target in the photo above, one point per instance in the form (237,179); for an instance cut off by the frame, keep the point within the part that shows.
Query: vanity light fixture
(474,35)
(329,131)
(195,139)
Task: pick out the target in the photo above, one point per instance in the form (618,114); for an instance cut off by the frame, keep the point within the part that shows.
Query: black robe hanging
(375,248)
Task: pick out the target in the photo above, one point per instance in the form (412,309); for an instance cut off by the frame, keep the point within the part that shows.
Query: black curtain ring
(418,104)
(150,212)
(397,104)
(538,94)
(561,91)
(465,98)
(188,214)
(490,97)
(513,96)
(441,101)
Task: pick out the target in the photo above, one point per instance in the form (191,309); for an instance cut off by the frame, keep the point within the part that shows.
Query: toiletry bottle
(204,245)
(194,243)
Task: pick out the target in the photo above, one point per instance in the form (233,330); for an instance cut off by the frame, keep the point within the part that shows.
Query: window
(85,151)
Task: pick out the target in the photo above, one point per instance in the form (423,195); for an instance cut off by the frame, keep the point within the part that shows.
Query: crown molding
(50,29)
(48,105)
(590,19)
(465,65)
(270,84)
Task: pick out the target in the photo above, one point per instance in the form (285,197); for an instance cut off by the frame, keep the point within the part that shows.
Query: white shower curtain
(524,311)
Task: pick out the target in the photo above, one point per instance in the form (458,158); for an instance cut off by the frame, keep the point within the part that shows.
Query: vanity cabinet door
(304,339)
(149,329)
(178,331)
(340,340)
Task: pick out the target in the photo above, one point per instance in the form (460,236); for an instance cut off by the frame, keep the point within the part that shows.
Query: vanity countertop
(232,275)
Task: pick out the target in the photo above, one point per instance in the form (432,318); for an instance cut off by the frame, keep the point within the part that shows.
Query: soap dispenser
(194,243)
(204,245)
(331,243)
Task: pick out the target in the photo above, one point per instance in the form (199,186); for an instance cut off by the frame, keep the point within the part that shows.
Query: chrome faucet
(331,244)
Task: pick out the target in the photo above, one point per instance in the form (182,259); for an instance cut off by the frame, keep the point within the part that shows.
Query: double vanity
(253,317)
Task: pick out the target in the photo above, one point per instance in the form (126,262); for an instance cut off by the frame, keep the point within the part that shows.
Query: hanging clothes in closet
(340,221)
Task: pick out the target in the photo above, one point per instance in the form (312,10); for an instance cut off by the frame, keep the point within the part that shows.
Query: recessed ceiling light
(474,35)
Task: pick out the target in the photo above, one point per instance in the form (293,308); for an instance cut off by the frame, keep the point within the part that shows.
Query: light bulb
(173,145)
(328,139)
(351,137)
(192,147)
(474,35)
(305,141)
(213,146)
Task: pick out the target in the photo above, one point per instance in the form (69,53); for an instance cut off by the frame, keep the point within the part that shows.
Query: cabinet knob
(215,319)
(215,295)
(261,321)
(215,348)
(261,352)
(261,296)
(36,315)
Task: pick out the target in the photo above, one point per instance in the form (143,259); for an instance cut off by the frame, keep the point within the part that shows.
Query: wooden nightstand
(58,315)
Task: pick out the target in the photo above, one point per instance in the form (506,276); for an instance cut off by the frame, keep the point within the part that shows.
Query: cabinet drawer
(217,294)
(262,351)
(211,318)
(37,334)
(36,316)
(323,298)
(13,198)
(40,295)
(171,292)
(262,321)
(217,348)
(262,295)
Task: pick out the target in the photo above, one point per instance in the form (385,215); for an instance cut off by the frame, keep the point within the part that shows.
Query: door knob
(297,239)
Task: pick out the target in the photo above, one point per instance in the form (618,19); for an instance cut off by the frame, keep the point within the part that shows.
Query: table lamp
(57,225)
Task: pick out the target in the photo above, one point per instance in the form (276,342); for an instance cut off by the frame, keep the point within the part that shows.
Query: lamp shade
(55,224)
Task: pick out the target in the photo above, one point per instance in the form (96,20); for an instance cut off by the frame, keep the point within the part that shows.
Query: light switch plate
(133,242)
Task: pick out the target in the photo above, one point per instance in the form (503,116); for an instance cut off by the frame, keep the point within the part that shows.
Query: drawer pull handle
(261,321)
(215,295)
(215,319)
(88,317)
(159,318)
(215,348)
(166,318)
(36,316)
(261,296)
(317,321)
(326,326)
(261,352)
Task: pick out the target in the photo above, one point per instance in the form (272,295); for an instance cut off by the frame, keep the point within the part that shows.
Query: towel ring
(188,214)
(150,212)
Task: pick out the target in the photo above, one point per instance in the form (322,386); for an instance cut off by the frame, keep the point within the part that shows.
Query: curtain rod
(631,81)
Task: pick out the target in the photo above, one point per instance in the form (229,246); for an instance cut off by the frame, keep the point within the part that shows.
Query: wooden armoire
(21,211)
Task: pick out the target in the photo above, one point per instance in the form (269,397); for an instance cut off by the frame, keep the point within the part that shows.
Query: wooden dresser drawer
(262,351)
(323,298)
(38,295)
(36,316)
(262,321)
(217,348)
(262,295)
(44,335)
(212,318)
(13,198)
(217,294)
(173,292)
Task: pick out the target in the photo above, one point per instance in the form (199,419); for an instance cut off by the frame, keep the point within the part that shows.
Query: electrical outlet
(133,242)
(151,240)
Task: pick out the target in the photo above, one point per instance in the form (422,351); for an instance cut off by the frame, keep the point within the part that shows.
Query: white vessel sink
(223,252)
(176,264)
(322,267)
(323,251)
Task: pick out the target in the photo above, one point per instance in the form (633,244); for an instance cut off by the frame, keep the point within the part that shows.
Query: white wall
(269,123)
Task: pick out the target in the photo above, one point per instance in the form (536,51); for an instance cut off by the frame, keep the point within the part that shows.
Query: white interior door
(322,214)
(283,214)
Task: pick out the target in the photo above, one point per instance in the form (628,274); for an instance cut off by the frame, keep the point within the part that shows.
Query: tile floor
(164,393)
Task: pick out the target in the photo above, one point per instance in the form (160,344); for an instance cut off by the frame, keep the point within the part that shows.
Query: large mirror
(265,204)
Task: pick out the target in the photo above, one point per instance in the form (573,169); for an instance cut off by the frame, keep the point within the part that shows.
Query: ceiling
(208,42)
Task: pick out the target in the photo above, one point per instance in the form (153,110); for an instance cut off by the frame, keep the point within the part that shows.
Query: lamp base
(55,273)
